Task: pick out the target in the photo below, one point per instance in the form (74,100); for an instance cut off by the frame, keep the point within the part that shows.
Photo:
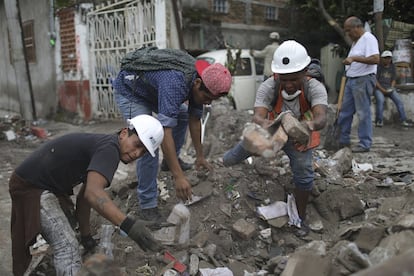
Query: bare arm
(319,117)
(182,186)
(260,116)
(379,86)
(83,212)
(259,54)
(374,59)
(195,131)
(96,197)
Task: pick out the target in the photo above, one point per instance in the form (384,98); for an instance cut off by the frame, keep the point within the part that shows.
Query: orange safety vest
(306,114)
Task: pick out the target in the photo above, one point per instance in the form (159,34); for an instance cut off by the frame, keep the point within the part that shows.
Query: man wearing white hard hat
(267,53)
(44,181)
(385,88)
(291,90)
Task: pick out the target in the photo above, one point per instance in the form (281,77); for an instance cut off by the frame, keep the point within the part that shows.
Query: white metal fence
(115,29)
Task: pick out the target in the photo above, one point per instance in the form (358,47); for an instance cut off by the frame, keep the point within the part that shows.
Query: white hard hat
(290,57)
(274,35)
(149,130)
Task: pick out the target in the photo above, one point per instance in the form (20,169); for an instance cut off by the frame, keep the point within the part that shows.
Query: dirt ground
(339,211)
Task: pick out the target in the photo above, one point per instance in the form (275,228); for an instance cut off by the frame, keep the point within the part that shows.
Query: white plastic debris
(162,186)
(194,199)
(180,232)
(10,135)
(222,271)
(292,210)
(275,210)
(266,233)
(361,167)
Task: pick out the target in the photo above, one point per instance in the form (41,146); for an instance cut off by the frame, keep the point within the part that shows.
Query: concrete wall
(9,98)
(390,111)
(331,65)
(42,71)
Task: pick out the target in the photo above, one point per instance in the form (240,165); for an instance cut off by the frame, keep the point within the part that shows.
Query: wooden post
(378,9)
(21,68)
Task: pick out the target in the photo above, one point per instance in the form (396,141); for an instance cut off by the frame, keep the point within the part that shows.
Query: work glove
(137,230)
(88,243)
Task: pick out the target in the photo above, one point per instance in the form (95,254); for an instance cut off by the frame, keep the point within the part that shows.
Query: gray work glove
(142,236)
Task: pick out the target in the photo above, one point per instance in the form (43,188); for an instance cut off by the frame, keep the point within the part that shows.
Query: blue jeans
(301,163)
(147,166)
(357,99)
(379,108)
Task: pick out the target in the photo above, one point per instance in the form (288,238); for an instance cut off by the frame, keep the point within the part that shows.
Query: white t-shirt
(367,45)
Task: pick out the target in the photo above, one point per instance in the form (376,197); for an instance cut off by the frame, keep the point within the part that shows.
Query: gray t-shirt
(315,95)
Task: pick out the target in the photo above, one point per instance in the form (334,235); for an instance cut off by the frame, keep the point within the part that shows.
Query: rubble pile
(361,213)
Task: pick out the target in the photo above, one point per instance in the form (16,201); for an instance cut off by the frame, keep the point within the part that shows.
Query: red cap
(216,77)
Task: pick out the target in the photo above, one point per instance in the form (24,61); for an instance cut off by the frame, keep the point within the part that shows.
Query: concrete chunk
(244,229)
(295,129)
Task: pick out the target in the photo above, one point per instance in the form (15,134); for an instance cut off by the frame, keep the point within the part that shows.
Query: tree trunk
(333,23)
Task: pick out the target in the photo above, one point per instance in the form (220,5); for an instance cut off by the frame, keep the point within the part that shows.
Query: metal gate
(114,30)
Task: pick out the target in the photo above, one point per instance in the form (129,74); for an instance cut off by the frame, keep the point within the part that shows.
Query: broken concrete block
(279,139)
(405,222)
(257,140)
(344,160)
(368,237)
(399,265)
(200,239)
(244,229)
(194,263)
(239,268)
(306,263)
(295,129)
(278,222)
(351,258)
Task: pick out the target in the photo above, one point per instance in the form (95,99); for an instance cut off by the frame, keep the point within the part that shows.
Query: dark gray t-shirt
(385,75)
(62,163)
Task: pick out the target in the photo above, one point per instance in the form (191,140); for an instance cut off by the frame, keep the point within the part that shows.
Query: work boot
(379,124)
(151,214)
(359,149)
(184,166)
(303,231)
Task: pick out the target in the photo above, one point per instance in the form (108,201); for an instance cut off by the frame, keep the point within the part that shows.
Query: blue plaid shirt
(163,91)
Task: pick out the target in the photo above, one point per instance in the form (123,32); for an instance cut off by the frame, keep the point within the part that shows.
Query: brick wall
(68,39)
(74,95)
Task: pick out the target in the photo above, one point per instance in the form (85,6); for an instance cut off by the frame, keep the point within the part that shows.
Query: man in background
(360,68)
(386,80)
(267,54)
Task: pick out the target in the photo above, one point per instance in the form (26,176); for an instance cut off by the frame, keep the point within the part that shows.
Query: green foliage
(64,3)
(310,27)
(399,10)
